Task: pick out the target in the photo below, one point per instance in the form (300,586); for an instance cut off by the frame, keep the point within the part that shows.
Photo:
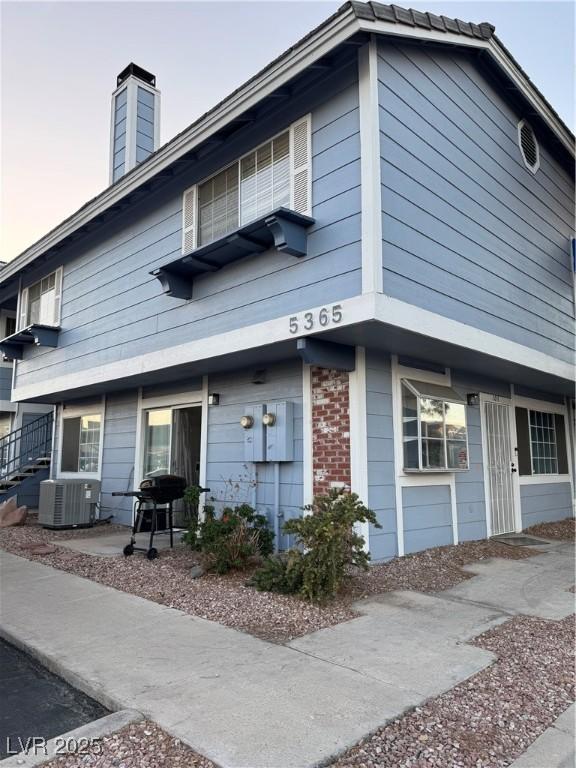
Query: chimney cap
(141,74)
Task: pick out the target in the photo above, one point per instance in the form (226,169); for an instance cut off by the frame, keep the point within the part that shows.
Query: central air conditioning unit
(68,503)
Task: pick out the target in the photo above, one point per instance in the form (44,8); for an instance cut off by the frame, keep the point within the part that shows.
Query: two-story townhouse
(355,270)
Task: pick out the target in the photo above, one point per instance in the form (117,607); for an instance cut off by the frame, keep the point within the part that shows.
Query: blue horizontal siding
(427,517)
(468,231)
(545,502)
(230,478)
(113,309)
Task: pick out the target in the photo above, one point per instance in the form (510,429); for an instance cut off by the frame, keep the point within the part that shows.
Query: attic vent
(528,146)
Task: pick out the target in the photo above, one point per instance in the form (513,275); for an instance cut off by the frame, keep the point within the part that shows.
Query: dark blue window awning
(282,229)
(39,335)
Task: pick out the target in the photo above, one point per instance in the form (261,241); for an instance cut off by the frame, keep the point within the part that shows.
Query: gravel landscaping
(140,745)
(490,719)
(227,600)
(560,529)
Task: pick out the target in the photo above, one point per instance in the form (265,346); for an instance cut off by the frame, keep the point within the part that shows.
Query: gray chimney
(135,124)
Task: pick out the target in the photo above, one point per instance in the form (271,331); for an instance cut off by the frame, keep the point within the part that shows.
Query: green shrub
(233,540)
(328,545)
(281,573)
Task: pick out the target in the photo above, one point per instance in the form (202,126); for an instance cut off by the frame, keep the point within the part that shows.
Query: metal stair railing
(25,445)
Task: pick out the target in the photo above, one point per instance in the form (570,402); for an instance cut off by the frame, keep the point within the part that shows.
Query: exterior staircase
(25,457)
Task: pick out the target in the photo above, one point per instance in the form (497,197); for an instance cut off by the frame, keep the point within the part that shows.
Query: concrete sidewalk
(246,703)
(555,748)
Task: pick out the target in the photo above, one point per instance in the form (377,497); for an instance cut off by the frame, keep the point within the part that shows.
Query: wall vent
(528,146)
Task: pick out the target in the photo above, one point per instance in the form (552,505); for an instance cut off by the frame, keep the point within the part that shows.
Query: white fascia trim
(544,479)
(359,437)
(540,405)
(398,452)
(356,310)
(495,50)
(203,473)
(371,190)
(412,318)
(318,45)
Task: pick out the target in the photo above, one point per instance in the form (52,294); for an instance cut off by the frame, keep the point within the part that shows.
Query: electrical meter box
(254,438)
(280,434)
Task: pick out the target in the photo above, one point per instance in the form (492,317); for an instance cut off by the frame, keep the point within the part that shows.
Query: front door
(172,446)
(500,466)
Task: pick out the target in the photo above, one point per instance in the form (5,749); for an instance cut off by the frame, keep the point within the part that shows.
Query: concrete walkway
(247,703)
(555,748)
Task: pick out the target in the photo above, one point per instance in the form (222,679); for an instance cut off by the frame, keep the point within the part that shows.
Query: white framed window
(40,302)
(543,446)
(276,174)
(81,433)
(434,429)
(542,442)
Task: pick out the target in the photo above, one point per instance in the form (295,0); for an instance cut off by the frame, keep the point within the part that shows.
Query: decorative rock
(11,514)
(196,571)
(43,549)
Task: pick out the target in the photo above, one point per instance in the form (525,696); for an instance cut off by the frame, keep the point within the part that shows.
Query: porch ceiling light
(247,422)
(269,419)
(473,398)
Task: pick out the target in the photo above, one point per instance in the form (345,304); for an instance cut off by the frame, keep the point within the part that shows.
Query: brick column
(330,429)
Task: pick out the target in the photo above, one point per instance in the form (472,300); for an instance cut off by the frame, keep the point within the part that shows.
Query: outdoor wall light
(269,419)
(247,422)
(473,398)
(214,399)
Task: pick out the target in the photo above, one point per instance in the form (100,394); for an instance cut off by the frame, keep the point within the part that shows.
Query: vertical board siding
(113,309)
(118,455)
(468,231)
(381,488)
(230,478)
(545,502)
(470,497)
(427,517)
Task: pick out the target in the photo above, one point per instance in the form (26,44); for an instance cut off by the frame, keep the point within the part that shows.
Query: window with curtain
(158,434)
(81,443)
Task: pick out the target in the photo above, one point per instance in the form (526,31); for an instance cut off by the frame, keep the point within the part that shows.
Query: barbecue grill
(153,509)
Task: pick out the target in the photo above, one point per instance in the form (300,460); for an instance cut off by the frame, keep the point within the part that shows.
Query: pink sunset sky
(59,61)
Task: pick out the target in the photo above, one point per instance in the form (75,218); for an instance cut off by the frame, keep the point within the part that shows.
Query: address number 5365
(324,317)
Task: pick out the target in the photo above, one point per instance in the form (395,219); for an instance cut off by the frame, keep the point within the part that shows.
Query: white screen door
(500,467)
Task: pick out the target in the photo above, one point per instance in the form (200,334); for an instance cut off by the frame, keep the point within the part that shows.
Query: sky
(59,61)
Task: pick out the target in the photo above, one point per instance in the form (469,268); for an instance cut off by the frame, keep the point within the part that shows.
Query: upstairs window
(434,431)
(274,175)
(528,146)
(40,302)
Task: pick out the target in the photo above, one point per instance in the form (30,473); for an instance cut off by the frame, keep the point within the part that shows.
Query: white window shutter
(23,316)
(301,166)
(189,215)
(57,296)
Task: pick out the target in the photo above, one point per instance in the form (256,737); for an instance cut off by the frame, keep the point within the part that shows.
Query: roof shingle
(373,11)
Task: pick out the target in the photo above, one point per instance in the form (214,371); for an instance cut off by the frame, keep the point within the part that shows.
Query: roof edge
(350,18)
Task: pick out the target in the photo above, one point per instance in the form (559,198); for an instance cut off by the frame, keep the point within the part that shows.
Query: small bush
(233,540)
(330,548)
(281,573)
